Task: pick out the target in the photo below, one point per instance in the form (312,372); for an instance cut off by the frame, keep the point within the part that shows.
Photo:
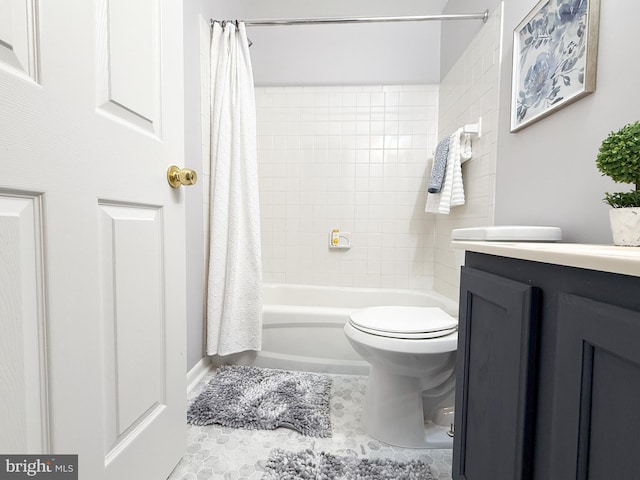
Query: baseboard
(198,371)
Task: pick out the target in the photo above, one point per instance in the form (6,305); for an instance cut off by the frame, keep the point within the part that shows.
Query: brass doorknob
(177,176)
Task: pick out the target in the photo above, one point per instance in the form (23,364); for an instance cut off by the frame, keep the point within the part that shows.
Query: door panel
(129,78)
(18,37)
(24,406)
(134,320)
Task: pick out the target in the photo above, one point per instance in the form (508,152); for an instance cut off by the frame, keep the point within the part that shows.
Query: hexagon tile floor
(222,453)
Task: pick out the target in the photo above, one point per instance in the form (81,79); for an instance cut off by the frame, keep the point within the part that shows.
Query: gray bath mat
(308,465)
(264,398)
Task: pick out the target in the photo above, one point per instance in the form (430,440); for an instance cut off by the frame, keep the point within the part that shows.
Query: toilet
(410,390)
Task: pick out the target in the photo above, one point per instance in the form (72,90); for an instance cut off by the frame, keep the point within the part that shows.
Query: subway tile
(391,98)
(292,128)
(348,170)
(345,127)
(349,99)
(376,170)
(376,156)
(279,142)
(362,142)
(405,141)
(376,141)
(362,156)
(390,126)
(377,127)
(363,99)
(376,184)
(377,99)
(391,141)
(349,127)
(363,127)
(335,99)
(292,144)
(377,114)
(362,183)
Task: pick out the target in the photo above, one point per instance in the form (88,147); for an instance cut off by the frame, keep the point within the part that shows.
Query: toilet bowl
(412,353)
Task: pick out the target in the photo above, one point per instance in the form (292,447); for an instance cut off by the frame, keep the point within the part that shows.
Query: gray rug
(308,465)
(263,398)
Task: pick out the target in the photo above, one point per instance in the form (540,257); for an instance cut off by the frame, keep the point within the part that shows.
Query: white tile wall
(352,158)
(358,159)
(469,91)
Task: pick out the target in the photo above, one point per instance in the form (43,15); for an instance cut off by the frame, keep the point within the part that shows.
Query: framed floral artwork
(555,52)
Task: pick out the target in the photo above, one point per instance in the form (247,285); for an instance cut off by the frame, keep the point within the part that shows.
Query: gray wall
(457,35)
(370,54)
(546,173)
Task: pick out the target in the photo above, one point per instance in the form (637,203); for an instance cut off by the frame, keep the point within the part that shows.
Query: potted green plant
(619,158)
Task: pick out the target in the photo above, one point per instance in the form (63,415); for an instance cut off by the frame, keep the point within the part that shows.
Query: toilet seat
(404,322)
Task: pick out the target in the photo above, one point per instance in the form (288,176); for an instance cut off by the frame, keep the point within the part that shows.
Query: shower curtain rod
(325,21)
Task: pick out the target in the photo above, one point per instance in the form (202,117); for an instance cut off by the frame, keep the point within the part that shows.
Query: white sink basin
(508,233)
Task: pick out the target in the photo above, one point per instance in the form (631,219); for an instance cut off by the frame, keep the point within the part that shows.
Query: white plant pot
(625,226)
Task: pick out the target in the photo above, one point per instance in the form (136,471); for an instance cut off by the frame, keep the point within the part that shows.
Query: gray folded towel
(439,165)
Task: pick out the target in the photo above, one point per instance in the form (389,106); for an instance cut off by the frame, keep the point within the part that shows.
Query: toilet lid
(404,322)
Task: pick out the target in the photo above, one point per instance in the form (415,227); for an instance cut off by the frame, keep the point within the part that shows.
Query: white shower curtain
(234,308)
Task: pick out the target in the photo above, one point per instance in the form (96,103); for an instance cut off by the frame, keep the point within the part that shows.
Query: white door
(92,280)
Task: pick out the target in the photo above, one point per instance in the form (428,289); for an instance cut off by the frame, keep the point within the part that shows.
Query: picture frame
(555,51)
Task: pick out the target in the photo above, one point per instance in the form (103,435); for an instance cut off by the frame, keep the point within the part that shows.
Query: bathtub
(303,325)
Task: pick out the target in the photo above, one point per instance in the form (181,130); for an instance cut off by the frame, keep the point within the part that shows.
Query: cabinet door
(495,367)
(596,418)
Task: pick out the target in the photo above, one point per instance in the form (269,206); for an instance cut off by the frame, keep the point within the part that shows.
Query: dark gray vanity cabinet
(495,372)
(548,372)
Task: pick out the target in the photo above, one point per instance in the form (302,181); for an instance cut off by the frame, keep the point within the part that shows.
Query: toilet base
(435,436)
(393,413)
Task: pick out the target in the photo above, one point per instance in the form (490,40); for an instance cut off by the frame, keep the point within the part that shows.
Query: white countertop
(604,258)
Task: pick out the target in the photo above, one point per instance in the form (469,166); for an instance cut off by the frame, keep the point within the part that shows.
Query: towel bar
(475,128)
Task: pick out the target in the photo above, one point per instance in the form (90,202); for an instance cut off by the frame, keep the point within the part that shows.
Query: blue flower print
(552,49)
